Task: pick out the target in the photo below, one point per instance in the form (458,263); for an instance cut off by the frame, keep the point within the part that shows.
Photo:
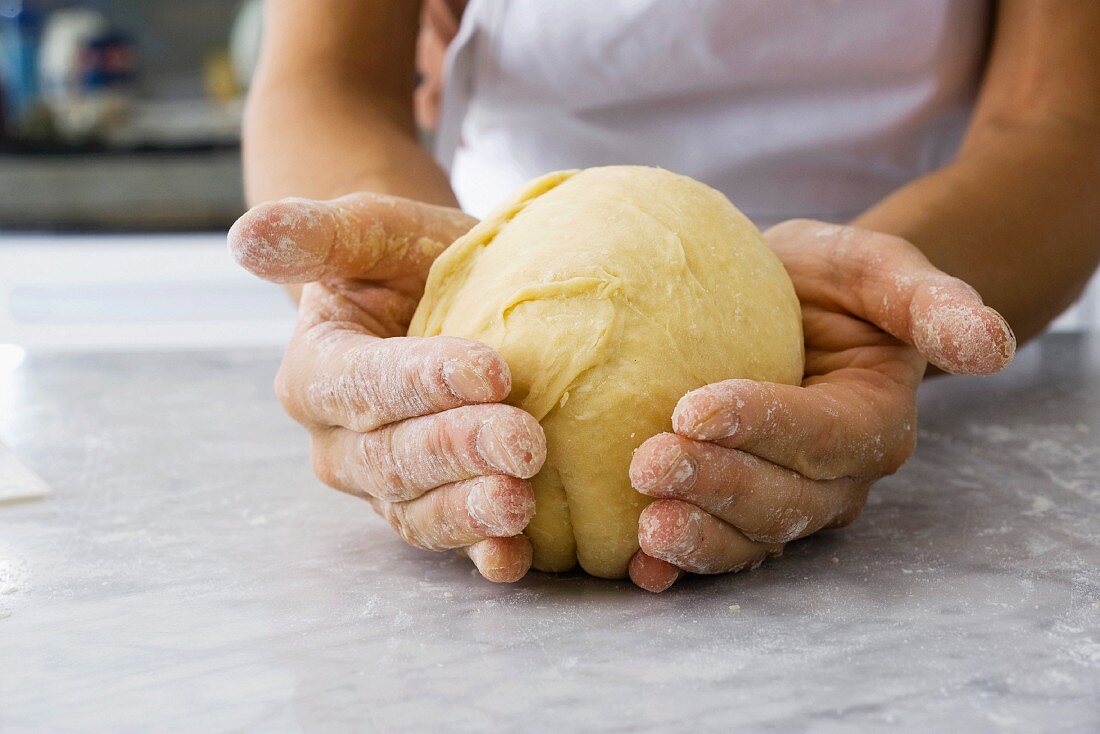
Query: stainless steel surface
(189,574)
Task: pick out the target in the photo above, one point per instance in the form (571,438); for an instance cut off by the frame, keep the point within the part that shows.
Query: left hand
(753,465)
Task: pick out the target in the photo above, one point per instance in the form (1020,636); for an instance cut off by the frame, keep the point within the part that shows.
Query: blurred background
(120,172)
(123,114)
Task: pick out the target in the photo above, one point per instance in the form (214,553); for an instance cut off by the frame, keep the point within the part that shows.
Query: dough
(611,292)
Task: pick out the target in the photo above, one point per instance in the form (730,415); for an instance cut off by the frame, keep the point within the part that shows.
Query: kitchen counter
(189,574)
(134,292)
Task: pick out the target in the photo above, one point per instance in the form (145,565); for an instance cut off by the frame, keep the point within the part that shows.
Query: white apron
(792,108)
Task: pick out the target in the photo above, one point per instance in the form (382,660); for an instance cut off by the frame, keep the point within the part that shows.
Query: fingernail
(502,515)
(679,477)
(670,535)
(720,424)
(513,453)
(477,504)
(501,560)
(466,382)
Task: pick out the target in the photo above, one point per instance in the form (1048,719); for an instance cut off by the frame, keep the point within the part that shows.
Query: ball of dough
(611,292)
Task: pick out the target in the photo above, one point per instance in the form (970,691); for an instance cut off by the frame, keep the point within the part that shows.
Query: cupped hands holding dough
(749,459)
(750,466)
(414,426)
(611,292)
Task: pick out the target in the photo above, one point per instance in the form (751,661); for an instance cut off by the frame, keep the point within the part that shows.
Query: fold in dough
(611,292)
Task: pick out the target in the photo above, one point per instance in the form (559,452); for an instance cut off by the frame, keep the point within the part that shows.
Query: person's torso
(810,108)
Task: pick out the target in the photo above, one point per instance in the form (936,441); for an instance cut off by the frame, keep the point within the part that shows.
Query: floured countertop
(189,574)
(17,482)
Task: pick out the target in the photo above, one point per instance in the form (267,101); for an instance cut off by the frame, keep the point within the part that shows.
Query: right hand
(413,425)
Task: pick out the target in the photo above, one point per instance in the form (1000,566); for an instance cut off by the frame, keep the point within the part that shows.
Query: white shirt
(792,108)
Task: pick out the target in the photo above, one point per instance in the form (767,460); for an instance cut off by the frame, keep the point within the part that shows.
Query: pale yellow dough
(611,292)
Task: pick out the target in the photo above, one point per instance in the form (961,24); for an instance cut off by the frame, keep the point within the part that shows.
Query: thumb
(364,235)
(888,282)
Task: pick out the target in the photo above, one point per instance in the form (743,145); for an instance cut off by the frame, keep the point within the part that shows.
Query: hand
(753,465)
(413,425)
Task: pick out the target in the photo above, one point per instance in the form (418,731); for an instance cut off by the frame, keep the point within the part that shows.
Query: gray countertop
(189,574)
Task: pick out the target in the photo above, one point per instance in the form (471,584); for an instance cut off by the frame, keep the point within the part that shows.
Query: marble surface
(188,574)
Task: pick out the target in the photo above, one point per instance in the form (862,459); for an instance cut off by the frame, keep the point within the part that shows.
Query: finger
(463,513)
(361,383)
(766,502)
(652,574)
(501,560)
(364,235)
(403,460)
(851,422)
(685,536)
(887,281)
(358,306)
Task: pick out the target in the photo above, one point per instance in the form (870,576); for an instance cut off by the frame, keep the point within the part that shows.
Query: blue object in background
(20,29)
(109,62)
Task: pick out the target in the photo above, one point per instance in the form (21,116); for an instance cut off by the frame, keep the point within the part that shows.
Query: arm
(399,422)
(330,111)
(1015,214)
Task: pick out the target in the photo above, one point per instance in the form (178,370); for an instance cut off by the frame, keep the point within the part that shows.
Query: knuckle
(417,364)
(724,476)
(385,473)
(790,227)
(847,517)
(771,551)
(904,447)
(746,562)
(452,438)
(772,537)
(285,390)
(891,241)
(360,388)
(449,504)
(819,459)
(786,524)
(853,252)
(851,511)
(895,461)
(370,201)
(282,384)
(321,462)
(404,524)
(451,443)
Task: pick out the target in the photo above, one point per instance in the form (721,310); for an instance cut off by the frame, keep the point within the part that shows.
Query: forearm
(1015,217)
(330,109)
(317,137)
